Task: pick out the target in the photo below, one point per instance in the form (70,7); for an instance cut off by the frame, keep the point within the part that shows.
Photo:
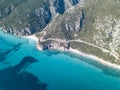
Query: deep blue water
(23,67)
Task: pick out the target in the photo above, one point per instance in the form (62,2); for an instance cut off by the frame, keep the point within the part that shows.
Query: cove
(51,69)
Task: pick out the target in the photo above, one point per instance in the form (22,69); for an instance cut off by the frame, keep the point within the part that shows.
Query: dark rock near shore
(15,78)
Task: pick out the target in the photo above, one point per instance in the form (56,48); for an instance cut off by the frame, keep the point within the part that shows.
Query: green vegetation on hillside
(28,16)
(93,51)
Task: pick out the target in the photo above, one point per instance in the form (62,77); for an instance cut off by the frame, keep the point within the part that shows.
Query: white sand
(95,58)
(33,37)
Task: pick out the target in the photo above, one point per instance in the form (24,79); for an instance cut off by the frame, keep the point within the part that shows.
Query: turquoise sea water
(21,62)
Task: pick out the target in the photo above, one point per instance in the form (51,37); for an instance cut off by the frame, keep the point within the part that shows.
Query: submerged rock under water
(5,53)
(15,78)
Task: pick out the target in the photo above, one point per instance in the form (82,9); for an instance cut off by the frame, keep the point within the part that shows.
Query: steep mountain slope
(22,17)
(66,25)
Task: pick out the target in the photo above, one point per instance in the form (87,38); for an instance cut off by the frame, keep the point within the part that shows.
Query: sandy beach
(95,58)
(33,37)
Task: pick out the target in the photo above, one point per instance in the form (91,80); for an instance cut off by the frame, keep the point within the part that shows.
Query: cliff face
(23,17)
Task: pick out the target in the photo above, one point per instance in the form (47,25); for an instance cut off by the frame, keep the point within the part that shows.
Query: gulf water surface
(23,67)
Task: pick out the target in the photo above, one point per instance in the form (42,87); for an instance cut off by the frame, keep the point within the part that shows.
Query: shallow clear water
(59,70)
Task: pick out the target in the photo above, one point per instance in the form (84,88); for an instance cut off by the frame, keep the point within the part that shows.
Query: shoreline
(33,37)
(74,51)
(95,58)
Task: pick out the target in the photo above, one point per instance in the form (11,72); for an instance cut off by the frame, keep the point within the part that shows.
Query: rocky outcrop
(55,45)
